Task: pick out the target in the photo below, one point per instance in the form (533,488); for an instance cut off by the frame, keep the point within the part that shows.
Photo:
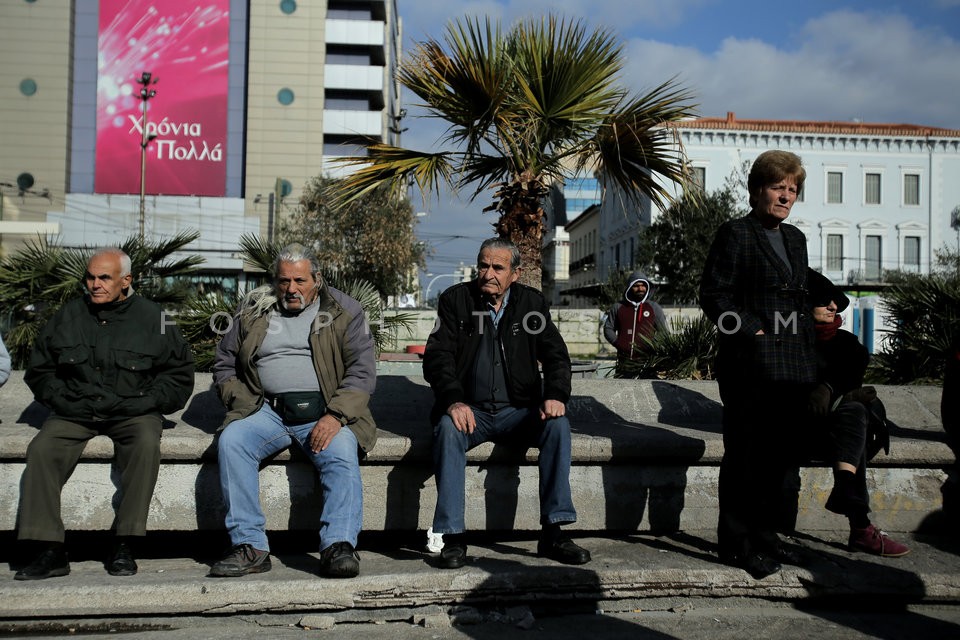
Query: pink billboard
(184,46)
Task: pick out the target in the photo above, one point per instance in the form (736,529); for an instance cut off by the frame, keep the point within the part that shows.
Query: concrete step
(645,457)
(627,572)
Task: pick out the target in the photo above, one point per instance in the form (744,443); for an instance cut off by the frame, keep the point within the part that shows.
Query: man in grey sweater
(296,366)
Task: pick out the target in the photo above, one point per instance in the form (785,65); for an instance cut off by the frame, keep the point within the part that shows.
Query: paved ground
(697,620)
(637,586)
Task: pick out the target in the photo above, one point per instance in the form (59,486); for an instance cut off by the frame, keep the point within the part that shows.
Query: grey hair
(264,298)
(126,267)
(295,252)
(502,243)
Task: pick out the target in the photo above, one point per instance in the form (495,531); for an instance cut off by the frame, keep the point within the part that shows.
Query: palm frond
(259,252)
(635,142)
(392,167)
(381,325)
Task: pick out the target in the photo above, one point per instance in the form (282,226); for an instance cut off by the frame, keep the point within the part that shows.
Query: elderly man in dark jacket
(110,364)
(296,366)
(754,288)
(482,363)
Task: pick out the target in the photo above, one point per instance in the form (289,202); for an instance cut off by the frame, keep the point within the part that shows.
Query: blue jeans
(244,443)
(450,448)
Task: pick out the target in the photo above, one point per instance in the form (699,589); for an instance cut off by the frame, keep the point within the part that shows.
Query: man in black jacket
(482,363)
(108,364)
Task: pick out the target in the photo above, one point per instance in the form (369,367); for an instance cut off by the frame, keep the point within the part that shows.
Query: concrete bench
(645,457)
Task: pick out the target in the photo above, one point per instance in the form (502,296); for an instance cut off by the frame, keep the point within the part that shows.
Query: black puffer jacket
(112,361)
(526,336)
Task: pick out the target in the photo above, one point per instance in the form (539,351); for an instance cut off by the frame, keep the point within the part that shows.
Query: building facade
(564,204)
(877,197)
(582,282)
(253,99)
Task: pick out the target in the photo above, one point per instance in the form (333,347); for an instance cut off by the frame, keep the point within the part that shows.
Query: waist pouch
(299,406)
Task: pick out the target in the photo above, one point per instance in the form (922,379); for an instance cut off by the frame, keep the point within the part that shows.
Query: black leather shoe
(786,555)
(121,561)
(241,560)
(759,565)
(564,550)
(453,555)
(340,560)
(50,563)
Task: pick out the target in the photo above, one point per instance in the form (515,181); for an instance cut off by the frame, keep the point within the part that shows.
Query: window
(700,177)
(873,258)
(285,96)
(834,252)
(911,189)
(911,252)
(871,185)
(346,101)
(834,187)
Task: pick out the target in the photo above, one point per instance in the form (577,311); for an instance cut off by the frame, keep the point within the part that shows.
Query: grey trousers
(53,455)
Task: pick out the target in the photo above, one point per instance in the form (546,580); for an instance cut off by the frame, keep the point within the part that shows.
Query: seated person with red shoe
(841,405)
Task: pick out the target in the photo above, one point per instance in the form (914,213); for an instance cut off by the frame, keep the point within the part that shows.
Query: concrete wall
(645,457)
(582,329)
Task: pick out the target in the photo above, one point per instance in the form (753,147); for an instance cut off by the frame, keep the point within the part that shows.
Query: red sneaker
(873,540)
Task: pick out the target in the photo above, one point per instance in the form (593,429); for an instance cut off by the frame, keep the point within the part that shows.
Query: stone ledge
(645,457)
(613,421)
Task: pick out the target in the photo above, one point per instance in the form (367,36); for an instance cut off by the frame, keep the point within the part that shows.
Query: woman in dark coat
(754,288)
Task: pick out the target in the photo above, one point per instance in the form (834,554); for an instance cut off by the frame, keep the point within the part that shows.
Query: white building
(877,196)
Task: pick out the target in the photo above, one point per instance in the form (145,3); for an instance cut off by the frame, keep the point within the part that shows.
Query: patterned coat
(746,287)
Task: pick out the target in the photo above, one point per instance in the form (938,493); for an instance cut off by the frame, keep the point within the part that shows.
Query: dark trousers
(839,437)
(761,425)
(53,455)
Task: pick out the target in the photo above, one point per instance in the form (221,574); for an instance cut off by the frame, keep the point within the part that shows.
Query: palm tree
(523,108)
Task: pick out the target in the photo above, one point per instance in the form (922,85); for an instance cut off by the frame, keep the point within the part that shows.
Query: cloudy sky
(876,61)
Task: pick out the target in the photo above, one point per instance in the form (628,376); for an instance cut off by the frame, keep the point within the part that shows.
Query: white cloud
(843,65)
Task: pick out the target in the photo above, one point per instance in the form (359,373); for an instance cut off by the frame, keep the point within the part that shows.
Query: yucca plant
(925,313)
(204,318)
(37,279)
(686,352)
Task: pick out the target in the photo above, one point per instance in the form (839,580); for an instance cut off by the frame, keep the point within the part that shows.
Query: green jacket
(343,356)
(112,361)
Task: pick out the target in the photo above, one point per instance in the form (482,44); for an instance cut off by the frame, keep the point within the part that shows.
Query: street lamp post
(146,80)
(426,297)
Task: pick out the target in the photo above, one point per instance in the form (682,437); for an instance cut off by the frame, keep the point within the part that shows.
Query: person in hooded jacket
(631,323)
